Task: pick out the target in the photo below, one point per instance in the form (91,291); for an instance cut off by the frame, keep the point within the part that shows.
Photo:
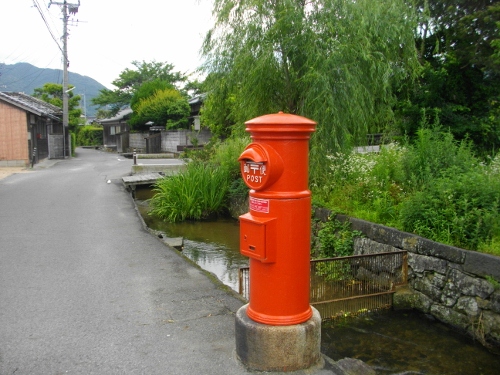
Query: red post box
(275,233)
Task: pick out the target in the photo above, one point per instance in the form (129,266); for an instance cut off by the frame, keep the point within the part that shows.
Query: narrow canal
(391,342)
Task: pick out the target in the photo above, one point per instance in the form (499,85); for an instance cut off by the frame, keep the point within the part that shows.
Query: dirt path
(7,171)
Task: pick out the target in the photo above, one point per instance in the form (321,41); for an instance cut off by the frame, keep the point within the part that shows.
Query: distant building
(30,130)
(195,104)
(115,130)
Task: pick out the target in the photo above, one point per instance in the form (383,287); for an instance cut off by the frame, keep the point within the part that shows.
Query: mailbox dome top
(282,119)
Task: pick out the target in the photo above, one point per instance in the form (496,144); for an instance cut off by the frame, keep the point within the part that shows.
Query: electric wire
(37,6)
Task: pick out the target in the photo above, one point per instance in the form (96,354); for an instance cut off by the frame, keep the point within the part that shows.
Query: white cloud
(110,34)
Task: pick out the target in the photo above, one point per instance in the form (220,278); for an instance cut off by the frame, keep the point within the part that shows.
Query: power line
(37,6)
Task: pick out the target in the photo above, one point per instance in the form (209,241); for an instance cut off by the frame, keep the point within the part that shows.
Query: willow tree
(338,62)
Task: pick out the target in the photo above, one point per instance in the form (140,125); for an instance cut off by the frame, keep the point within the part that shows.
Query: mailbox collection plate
(258,237)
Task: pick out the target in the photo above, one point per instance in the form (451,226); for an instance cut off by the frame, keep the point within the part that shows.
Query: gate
(347,286)
(153,144)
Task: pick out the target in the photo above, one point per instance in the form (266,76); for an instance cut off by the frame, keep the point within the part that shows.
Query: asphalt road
(86,289)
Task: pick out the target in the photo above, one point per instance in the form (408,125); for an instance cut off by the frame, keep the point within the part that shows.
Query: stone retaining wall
(454,285)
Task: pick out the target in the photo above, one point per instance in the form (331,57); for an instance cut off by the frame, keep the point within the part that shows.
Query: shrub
(434,187)
(432,154)
(459,209)
(89,136)
(336,239)
(226,155)
(199,192)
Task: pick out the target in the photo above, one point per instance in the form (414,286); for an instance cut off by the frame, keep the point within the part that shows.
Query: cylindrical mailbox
(275,233)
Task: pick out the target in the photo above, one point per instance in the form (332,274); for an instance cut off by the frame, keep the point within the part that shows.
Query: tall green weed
(459,208)
(198,192)
(204,188)
(432,186)
(434,152)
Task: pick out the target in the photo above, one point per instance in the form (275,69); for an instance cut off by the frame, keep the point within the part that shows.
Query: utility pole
(72,9)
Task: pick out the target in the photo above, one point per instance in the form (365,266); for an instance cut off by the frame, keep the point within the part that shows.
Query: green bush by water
(434,187)
(198,192)
(336,239)
(204,188)
(459,209)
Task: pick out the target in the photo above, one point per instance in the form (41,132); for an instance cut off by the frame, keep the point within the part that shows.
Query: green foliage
(148,89)
(52,93)
(434,187)
(194,194)
(217,112)
(204,188)
(130,80)
(226,155)
(493,282)
(335,271)
(432,153)
(164,107)
(460,209)
(460,74)
(336,239)
(73,143)
(89,136)
(365,185)
(336,62)
(238,189)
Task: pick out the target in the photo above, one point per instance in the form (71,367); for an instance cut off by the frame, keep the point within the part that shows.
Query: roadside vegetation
(433,186)
(424,74)
(202,191)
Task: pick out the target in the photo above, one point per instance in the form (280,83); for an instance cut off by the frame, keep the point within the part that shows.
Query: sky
(105,36)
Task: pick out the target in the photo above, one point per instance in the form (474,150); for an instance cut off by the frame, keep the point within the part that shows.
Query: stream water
(392,342)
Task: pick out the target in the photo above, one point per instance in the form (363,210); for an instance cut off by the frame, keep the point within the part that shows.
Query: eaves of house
(122,115)
(32,105)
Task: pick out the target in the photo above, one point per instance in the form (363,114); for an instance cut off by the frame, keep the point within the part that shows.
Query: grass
(434,187)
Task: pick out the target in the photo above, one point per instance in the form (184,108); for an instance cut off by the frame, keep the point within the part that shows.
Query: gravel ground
(7,171)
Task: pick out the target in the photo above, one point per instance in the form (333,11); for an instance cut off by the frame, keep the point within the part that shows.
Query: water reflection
(392,343)
(213,245)
(407,343)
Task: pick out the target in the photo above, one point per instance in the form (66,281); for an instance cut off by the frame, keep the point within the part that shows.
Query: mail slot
(258,237)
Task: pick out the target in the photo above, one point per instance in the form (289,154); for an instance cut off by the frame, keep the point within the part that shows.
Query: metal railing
(345,286)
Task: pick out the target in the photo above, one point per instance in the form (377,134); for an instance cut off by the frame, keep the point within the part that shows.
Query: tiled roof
(197,99)
(31,104)
(121,115)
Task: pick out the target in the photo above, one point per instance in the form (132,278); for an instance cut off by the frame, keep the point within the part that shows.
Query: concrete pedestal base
(264,347)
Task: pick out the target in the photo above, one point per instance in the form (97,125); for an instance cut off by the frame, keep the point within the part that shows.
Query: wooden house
(115,131)
(30,130)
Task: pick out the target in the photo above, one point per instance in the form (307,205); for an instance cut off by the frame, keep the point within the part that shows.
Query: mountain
(24,77)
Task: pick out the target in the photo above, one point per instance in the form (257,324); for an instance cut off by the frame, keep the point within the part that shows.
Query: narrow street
(85,289)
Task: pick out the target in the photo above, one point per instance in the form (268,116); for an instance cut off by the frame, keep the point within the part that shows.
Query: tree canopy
(458,42)
(130,80)
(164,106)
(52,93)
(338,62)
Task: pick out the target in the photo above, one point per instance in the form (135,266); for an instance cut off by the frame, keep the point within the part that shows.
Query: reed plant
(204,188)
(199,192)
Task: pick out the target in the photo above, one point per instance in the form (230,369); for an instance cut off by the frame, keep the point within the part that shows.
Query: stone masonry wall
(454,285)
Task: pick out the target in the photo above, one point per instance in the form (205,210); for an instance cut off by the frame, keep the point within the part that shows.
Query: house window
(112,130)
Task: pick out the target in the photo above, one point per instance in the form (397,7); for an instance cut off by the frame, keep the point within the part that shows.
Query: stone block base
(264,347)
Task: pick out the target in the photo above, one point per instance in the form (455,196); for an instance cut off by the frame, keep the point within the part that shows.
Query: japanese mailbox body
(275,233)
